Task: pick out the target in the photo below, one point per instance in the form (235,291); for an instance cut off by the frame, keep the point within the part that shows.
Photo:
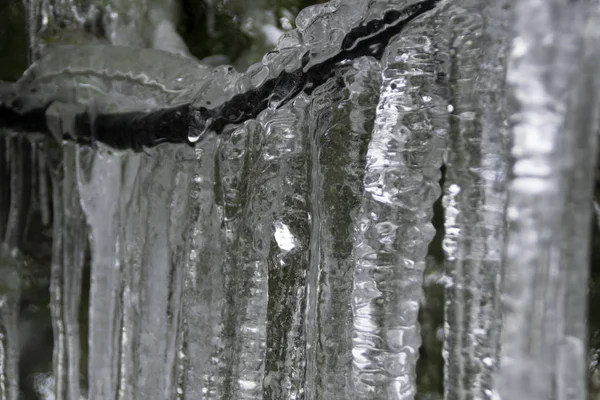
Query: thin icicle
(42,174)
(70,241)
(9,316)
(201,345)
(5,165)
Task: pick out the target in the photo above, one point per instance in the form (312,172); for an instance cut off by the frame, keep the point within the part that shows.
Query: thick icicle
(554,90)
(474,197)
(394,228)
(69,244)
(341,123)
(150,306)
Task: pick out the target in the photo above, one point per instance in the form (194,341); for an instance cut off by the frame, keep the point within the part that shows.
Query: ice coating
(224,97)
(148,78)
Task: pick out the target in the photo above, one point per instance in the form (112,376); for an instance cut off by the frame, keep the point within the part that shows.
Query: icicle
(20,191)
(42,174)
(394,228)
(341,119)
(280,233)
(474,198)
(5,164)
(202,342)
(69,244)
(555,91)
(9,315)
(99,179)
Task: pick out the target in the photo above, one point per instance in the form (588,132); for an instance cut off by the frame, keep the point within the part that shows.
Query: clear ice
(284,258)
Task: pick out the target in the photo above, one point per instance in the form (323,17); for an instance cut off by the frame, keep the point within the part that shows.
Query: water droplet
(194,135)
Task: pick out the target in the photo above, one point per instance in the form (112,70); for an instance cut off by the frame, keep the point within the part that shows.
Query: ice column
(394,229)
(554,89)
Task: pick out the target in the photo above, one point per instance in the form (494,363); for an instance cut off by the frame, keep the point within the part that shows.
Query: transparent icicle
(69,245)
(474,197)
(42,174)
(277,221)
(341,120)
(200,345)
(554,90)
(394,229)
(151,293)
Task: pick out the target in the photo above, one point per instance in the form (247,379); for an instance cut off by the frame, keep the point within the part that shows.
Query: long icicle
(69,245)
